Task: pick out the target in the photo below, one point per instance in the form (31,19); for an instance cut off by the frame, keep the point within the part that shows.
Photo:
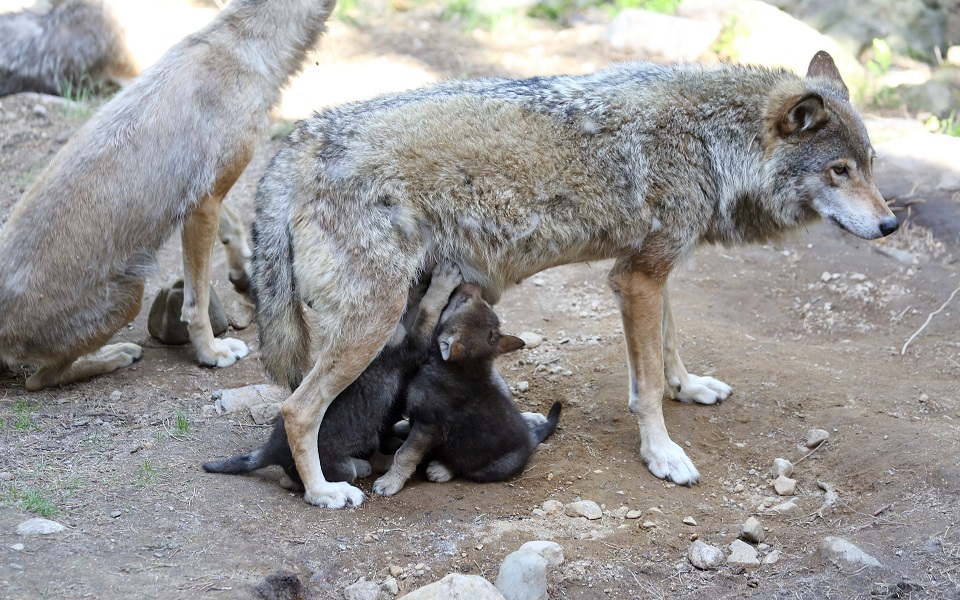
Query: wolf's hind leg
(681,385)
(105,360)
(234,239)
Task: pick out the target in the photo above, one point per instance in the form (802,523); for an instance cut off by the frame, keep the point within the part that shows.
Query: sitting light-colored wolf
(639,163)
(160,155)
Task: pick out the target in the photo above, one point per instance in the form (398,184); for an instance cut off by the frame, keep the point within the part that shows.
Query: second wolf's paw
(222,353)
(668,461)
(699,390)
(334,495)
(388,485)
(121,355)
(438,472)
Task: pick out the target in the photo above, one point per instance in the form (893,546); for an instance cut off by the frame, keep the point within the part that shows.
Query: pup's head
(470,330)
(819,135)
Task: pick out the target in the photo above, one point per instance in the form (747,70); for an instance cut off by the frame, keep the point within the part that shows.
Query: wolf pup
(640,163)
(162,154)
(460,414)
(60,45)
(355,421)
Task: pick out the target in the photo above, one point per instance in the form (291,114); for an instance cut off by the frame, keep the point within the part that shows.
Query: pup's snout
(888,225)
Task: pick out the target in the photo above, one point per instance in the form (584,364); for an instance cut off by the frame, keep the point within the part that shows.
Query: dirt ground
(809,334)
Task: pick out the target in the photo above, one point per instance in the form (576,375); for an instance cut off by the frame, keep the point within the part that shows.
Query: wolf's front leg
(641,304)
(681,385)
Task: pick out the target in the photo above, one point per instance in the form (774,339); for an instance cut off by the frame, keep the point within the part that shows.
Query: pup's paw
(699,390)
(388,485)
(334,495)
(222,353)
(361,467)
(533,419)
(668,461)
(289,484)
(446,278)
(438,472)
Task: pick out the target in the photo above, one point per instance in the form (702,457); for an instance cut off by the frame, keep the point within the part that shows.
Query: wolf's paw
(289,484)
(699,390)
(668,461)
(222,353)
(438,472)
(388,485)
(121,355)
(334,495)
(361,467)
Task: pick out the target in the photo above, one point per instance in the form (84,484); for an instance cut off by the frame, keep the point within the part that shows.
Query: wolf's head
(819,138)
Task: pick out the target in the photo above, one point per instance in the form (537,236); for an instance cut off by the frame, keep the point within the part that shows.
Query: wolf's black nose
(889,225)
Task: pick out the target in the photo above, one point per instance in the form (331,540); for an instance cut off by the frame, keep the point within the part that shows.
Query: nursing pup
(639,163)
(161,155)
(461,414)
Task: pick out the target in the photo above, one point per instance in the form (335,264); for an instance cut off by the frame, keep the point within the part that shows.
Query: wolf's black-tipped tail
(542,432)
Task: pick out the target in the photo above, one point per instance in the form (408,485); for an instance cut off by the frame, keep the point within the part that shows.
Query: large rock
(39,526)
(523,576)
(164,321)
(584,508)
(842,552)
(743,554)
(457,587)
(650,34)
(551,551)
(704,556)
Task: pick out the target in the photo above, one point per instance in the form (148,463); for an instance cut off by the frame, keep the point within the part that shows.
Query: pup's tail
(542,432)
(284,333)
(240,464)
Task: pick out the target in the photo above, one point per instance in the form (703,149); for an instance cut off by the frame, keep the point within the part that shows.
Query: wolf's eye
(840,169)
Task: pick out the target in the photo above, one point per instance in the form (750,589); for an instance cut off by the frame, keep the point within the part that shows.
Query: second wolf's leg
(640,295)
(233,236)
(405,461)
(681,385)
(199,233)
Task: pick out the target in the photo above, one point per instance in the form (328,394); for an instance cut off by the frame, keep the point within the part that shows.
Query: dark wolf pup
(353,424)
(160,155)
(461,413)
(640,163)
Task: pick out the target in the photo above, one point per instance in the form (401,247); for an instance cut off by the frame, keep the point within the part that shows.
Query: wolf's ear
(450,347)
(806,114)
(823,67)
(509,343)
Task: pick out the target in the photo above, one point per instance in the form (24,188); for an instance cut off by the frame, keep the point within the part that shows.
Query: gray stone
(266,413)
(239,399)
(689,521)
(743,554)
(845,553)
(17,547)
(781,466)
(785,486)
(652,34)
(584,508)
(772,558)
(634,514)
(457,587)
(523,576)
(39,526)
(362,590)
(788,508)
(815,437)
(752,531)
(704,556)
(551,551)
(164,321)
(552,507)
(391,586)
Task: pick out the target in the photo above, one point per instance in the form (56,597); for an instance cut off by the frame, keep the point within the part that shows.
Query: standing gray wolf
(639,163)
(161,154)
(353,424)
(461,415)
(61,45)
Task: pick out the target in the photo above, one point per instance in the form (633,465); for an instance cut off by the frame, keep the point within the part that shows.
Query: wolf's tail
(240,464)
(284,333)
(542,432)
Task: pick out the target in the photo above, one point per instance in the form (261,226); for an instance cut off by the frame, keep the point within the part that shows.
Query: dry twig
(927,322)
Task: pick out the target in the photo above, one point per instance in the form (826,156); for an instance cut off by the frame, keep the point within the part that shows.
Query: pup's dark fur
(460,413)
(355,421)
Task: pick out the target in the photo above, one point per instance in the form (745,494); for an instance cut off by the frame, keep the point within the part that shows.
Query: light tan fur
(639,163)
(160,155)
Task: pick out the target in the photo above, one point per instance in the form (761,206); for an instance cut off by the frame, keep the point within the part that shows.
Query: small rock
(266,413)
(842,552)
(115,513)
(243,398)
(40,110)
(522,386)
(17,547)
(584,508)
(689,521)
(39,527)
(785,486)
(789,508)
(239,314)
(457,587)
(208,410)
(531,339)
(6,476)
(396,570)
(551,551)
(362,590)
(781,466)
(953,55)
(752,531)
(704,556)
(743,554)
(815,437)
(633,514)
(523,576)
(772,558)
(621,513)
(391,586)
(115,396)
(648,525)
(552,507)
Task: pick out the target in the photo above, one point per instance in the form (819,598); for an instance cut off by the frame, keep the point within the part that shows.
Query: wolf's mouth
(838,224)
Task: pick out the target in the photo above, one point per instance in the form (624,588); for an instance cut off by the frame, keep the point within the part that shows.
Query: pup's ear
(823,67)
(509,343)
(450,347)
(806,114)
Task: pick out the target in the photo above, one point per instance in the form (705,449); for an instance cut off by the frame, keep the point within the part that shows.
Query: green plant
(887,97)
(183,423)
(660,6)
(730,33)
(23,410)
(472,17)
(882,58)
(147,474)
(30,499)
(948,126)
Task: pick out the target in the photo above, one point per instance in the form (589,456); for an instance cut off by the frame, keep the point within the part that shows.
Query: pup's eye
(840,169)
